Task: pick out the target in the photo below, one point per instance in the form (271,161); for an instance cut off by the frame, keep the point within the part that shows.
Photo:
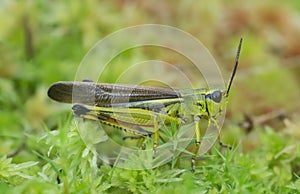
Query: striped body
(133,108)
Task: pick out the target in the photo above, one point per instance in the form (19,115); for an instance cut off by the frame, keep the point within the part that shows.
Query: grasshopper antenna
(235,66)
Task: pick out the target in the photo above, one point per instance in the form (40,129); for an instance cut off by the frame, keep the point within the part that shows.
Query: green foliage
(69,166)
(12,173)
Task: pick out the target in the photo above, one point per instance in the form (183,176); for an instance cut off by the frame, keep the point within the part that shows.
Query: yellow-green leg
(198,140)
(155,136)
(219,135)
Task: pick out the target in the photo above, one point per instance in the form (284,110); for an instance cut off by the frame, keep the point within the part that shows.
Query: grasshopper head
(216,100)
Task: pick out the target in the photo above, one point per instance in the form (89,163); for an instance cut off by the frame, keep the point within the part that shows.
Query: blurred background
(42,42)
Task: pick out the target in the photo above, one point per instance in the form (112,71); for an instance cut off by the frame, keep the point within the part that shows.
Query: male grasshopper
(135,109)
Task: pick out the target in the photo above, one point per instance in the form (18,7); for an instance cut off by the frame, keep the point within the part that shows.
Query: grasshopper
(137,109)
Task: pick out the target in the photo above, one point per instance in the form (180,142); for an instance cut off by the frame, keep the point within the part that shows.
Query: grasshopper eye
(216,96)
